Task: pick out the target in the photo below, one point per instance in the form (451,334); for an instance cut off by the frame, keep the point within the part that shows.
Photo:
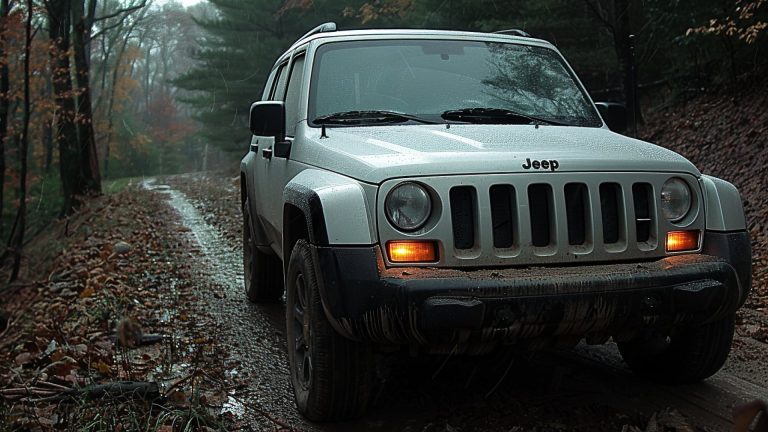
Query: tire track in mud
(252,334)
(554,390)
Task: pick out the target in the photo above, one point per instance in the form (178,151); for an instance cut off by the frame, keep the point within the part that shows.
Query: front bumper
(427,306)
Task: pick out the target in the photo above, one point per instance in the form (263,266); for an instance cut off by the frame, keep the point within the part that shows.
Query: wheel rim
(301,333)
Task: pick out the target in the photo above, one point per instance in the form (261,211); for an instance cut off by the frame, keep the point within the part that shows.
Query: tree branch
(106,29)
(600,15)
(127,10)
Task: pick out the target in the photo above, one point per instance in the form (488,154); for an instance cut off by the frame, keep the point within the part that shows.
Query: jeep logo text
(551,164)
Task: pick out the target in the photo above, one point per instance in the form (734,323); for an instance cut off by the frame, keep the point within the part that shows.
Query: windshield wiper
(495,116)
(370,116)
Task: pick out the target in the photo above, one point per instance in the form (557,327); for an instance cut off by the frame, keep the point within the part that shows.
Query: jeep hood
(377,153)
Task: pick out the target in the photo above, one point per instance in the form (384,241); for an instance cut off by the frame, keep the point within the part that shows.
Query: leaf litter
(110,332)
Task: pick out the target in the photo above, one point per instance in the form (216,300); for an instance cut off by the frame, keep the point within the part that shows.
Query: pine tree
(235,59)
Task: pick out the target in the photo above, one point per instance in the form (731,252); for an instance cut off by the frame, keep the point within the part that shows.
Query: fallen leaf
(87,292)
(102,367)
(24,358)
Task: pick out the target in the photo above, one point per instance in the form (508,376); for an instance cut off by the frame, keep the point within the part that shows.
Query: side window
(292,96)
(279,85)
(271,78)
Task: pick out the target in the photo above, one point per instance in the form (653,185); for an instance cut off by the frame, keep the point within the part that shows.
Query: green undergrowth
(113,186)
(44,201)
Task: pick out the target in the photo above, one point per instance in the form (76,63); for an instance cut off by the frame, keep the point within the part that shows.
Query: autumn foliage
(743,20)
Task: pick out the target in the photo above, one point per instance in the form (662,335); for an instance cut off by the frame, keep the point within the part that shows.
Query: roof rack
(322,28)
(514,32)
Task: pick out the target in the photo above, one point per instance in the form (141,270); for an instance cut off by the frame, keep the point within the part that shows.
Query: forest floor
(132,316)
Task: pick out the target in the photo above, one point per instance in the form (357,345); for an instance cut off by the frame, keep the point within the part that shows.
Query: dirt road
(588,388)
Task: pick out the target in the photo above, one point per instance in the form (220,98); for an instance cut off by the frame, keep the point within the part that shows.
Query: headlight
(675,199)
(408,206)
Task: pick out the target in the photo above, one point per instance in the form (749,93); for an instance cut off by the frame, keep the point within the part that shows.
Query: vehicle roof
(419,33)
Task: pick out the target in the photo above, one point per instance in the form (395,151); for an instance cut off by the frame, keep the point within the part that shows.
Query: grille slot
(463,216)
(540,204)
(503,205)
(642,193)
(609,207)
(576,207)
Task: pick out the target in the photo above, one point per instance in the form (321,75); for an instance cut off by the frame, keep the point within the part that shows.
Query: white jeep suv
(447,191)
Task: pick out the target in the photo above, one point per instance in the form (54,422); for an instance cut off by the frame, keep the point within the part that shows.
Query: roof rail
(322,28)
(513,32)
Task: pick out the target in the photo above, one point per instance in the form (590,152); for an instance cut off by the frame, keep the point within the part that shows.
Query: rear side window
(292,96)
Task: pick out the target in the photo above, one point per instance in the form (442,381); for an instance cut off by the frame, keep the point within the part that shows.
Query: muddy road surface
(586,388)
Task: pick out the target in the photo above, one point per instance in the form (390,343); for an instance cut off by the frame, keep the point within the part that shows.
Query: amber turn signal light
(678,241)
(412,251)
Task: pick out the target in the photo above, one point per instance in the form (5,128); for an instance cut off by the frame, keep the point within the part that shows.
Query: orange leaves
(125,87)
(379,8)
(741,22)
(165,124)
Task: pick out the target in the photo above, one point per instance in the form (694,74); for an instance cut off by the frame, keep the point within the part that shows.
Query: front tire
(687,355)
(263,272)
(331,375)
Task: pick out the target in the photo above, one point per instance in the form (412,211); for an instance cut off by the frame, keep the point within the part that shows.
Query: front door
(272,171)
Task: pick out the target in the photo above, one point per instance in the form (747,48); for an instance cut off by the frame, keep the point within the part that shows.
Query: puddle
(149,184)
(226,261)
(233,405)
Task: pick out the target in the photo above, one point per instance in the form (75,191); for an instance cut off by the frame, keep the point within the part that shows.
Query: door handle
(254,148)
(267,153)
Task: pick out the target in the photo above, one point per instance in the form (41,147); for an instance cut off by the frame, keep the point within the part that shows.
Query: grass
(45,198)
(113,186)
(44,201)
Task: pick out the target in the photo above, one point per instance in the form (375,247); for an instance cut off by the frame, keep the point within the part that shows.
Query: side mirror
(614,114)
(268,119)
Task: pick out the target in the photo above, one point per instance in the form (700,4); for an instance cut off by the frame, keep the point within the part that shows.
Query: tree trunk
(147,75)
(614,15)
(624,45)
(111,107)
(65,131)
(21,215)
(48,144)
(4,103)
(46,128)
(87,138)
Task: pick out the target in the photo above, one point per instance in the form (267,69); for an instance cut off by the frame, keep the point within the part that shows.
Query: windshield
(427,78)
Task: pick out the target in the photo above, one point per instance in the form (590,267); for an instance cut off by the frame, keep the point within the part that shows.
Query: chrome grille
(546,218)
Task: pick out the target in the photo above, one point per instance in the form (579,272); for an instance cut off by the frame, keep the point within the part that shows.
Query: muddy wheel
(331,375)
(263,272)
(687,355)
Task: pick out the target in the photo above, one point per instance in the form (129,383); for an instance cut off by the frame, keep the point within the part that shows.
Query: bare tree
(19,226)
(82,21)
(115,77)
(5,10)
(59,23)
(615,16)
(71,25)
